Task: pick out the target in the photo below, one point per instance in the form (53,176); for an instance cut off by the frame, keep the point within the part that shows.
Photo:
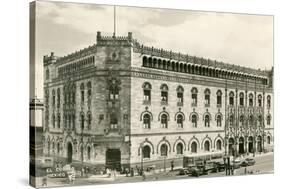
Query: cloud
(246,40)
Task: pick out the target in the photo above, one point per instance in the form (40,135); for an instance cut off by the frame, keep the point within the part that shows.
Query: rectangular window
(250,102)
(259,102)
(194,99)
(241,102)
(164,96)
(180,97)
(207,100)
(146,95)
(231,101)
(82,96)
(219,100)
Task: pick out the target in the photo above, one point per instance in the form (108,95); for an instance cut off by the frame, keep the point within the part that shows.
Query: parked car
(183,171)
(248,162)
(236,163)
(219,166)
(210,167)
(198,171)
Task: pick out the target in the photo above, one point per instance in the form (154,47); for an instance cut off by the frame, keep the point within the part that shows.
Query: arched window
(194,120)
(207,146)
(89,152)
(113,93)
(47,74)
(219,98)
(207,97)
(58,122)
(113,121)
(164,121)
(219,118)
(268,119)
(82,92)
(180,95)
(58,147)
(53,147)
(146,151)
(231,120)
(58,97)
(54,121)
(73,120)
(218,144)
(89,86)
(194,92)
(251,100)
(260,100)
(89,117)
(179,148)
(268,98)
(260,120)
(268,140)
(194,147)
(54,97)
(207,120)
(164,150)
(82,117)
(251,120)
(146,121)
(180,120)
(147,92)
(241,120)
(82,152)
(231,98)
(164,93)
(241,99)
(144,62)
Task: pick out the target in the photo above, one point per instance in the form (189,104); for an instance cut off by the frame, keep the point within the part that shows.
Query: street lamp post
(141,158)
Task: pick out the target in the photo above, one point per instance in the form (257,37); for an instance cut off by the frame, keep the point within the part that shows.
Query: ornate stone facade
(121,103)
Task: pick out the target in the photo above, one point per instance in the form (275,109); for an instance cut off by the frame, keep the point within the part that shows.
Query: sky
(241,39)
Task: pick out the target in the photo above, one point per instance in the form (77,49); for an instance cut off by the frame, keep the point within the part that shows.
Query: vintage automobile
(183,171)
(218,166)
(198,171)
(236,163)
(248,162)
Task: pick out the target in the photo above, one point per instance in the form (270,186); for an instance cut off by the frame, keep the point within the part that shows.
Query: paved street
(264,164)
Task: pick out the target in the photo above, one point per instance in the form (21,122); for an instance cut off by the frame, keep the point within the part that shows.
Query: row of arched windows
(251,120)
(56,149)
(180,147)
(171,65)
(85,120)
(147,88)
(179,118)
(89,92)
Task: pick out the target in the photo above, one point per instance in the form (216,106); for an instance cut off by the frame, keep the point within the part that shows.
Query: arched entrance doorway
(241,145)
(250,144)
(231,146)
(69,152)
(259,144)
(113,159)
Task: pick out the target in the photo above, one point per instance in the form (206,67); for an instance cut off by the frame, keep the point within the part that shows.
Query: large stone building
(120,102)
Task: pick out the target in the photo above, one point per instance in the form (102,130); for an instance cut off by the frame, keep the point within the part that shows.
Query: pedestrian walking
(143,176)
(172,165)
(114,173)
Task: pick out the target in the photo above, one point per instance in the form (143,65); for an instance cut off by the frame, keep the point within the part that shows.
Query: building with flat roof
(120,103)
